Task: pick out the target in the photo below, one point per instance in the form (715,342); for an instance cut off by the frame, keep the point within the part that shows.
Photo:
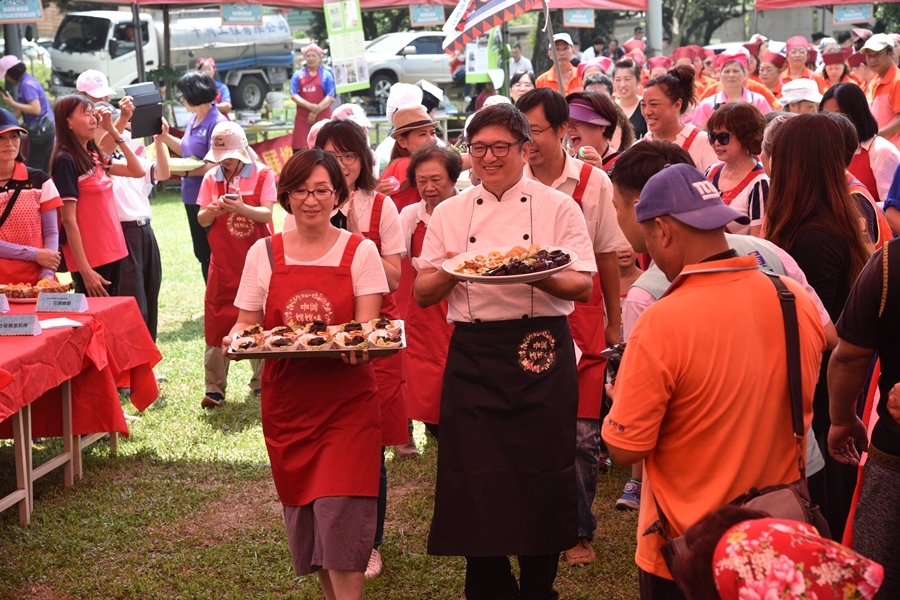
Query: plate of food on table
(25,293)
(184,165)
(381,337)
(512,264)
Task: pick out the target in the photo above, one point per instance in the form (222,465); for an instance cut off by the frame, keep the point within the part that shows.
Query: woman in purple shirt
(198,93)
(32,105)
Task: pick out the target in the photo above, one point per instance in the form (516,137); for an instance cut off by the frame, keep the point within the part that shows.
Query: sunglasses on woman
(723,138)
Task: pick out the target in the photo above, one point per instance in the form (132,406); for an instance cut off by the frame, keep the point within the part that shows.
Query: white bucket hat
(229,141)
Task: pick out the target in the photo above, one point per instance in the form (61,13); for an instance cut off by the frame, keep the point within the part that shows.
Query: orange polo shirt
(750,84)
(805,74)
(548,80)
(884,100)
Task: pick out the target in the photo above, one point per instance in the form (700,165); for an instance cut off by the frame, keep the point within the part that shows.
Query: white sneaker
(373,569)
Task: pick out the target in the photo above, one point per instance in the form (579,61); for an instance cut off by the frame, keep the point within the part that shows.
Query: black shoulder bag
(9,205)
(783,501)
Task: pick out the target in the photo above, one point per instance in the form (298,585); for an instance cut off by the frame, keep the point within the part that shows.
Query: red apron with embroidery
(390,371)
(588,325)
(98,222)
(230,238)
(427,340)
(310,90)
(319,416)
(23,226)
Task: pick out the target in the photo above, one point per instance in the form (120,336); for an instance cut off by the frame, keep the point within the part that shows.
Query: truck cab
(101,40)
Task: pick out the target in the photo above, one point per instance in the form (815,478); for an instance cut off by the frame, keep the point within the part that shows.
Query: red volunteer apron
(230,238)
(409,194)
(390,371)
(884,229)
(690,140)
(588,330)
(311,91)
(98,222)
(23,226)
(861,168)
(319,415)
(427,339)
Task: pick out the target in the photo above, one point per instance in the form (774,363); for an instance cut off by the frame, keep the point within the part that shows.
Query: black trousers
(199,239)
(491,578)
(141,274)
(109,272)
(654,587)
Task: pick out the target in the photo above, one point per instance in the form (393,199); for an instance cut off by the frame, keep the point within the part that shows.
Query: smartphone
(231,196)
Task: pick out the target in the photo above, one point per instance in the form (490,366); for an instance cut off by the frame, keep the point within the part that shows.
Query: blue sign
(424,15)
(242,14)
(578,17)
(21,11)
(853,13)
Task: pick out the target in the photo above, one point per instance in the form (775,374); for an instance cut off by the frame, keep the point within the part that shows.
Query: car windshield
(81,33)
(388,43)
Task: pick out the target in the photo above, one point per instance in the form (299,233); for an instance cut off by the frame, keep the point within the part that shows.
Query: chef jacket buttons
(471,240)
(525,237)
(524,199)
(479,201)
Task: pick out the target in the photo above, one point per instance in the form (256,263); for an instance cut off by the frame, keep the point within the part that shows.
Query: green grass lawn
(187,508)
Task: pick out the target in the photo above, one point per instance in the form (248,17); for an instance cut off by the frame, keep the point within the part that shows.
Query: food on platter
(246,344)
(516,261)
(250,331)
(351,340)
(283,330)
(381,338)
(316,341)
(316,327)
(385,324)
(26,290)
(351,326)
(279,342)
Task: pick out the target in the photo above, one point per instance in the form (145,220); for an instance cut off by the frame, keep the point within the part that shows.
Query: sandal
(212,400)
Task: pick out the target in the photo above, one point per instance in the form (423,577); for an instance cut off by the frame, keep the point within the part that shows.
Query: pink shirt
(701,114)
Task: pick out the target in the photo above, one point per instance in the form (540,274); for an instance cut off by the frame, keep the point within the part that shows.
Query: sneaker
(212,400)
(405,451)
(582,554)
(373,569)
(631,496)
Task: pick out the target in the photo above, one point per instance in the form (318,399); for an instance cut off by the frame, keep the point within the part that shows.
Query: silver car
(406,57)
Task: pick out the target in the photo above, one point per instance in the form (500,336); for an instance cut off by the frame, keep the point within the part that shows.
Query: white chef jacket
(528,213)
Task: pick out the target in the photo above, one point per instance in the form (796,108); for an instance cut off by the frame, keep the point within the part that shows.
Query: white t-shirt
(703,154)
(596,203)
(366,270)
(362,204)
(884,158)
(132,194)
(528,213)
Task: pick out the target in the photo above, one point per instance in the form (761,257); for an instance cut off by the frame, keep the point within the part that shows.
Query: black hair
(638,28)
(429,101)
(848,135)
(677,84)
(853,104)
(599,79)
(449,158)
(197,88)
(843,37)
(299,168)
(598,40)
(16,71)
(604,106)
(501,115)
(519,75)
(629,65)
(517,45)
(556,109)
(638,164)
(347,136)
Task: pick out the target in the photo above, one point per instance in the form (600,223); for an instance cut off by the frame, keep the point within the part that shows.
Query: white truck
(250,60)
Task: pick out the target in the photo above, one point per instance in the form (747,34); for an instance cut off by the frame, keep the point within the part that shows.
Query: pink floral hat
(777,558)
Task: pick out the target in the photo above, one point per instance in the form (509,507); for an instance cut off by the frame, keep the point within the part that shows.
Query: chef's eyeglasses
(319,194)
(723,138)
(347,158)
(498,149)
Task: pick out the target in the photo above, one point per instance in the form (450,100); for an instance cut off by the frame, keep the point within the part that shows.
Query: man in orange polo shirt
(700,392)
(884,89)
(564,51)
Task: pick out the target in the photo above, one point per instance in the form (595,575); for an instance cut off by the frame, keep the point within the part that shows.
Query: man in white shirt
(518,62)
(506,471)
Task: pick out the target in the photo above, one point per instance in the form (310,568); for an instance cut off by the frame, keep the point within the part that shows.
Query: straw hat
(409,118)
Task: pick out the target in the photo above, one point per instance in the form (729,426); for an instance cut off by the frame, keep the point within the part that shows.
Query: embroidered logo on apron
(307,306)
(239,226)
(536,352)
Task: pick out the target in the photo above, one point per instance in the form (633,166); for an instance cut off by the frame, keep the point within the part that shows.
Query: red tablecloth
(113,343)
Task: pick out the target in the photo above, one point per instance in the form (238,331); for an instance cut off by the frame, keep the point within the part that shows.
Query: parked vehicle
(406,57)
(250,60)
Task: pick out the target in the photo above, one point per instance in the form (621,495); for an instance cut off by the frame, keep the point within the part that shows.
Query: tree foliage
(604,22)
(887,18)
(694,21)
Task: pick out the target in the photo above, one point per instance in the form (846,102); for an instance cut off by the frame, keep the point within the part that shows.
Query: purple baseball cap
(683,193)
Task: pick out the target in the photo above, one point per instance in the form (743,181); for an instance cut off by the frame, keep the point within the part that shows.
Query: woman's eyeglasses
(347,159)
(723,138)
(319,194)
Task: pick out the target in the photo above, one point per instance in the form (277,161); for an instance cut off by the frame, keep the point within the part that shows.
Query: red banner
(274,153)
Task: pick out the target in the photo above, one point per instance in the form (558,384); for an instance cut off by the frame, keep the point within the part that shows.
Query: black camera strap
(10,204)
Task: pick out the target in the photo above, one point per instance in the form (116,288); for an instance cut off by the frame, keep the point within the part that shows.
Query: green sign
(853,13)
(347,41)
(424,15)
(21,11)
(578,17)
(242,14)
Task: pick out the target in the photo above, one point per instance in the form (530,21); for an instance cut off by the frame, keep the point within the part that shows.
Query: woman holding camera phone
(236,200)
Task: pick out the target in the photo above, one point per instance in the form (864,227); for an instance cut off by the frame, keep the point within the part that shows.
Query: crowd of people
(731,217)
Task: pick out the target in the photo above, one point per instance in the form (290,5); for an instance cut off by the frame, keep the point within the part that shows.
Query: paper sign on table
(4,304)
(19,325)
(59,322)
(72,303)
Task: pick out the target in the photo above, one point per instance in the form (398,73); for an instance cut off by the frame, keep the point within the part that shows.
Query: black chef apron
(506,469)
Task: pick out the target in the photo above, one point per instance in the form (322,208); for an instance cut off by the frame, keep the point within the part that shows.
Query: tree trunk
(540,59)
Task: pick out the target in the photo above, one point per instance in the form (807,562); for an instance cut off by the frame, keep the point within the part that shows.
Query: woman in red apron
(29,230)
(81,173)
(434,170)
(322,444)
(736,134)
(312,90)
(236,201)
(592,138)
(375,217)
(877,159)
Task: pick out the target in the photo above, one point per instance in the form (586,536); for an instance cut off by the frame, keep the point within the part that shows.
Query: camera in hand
(613,356)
